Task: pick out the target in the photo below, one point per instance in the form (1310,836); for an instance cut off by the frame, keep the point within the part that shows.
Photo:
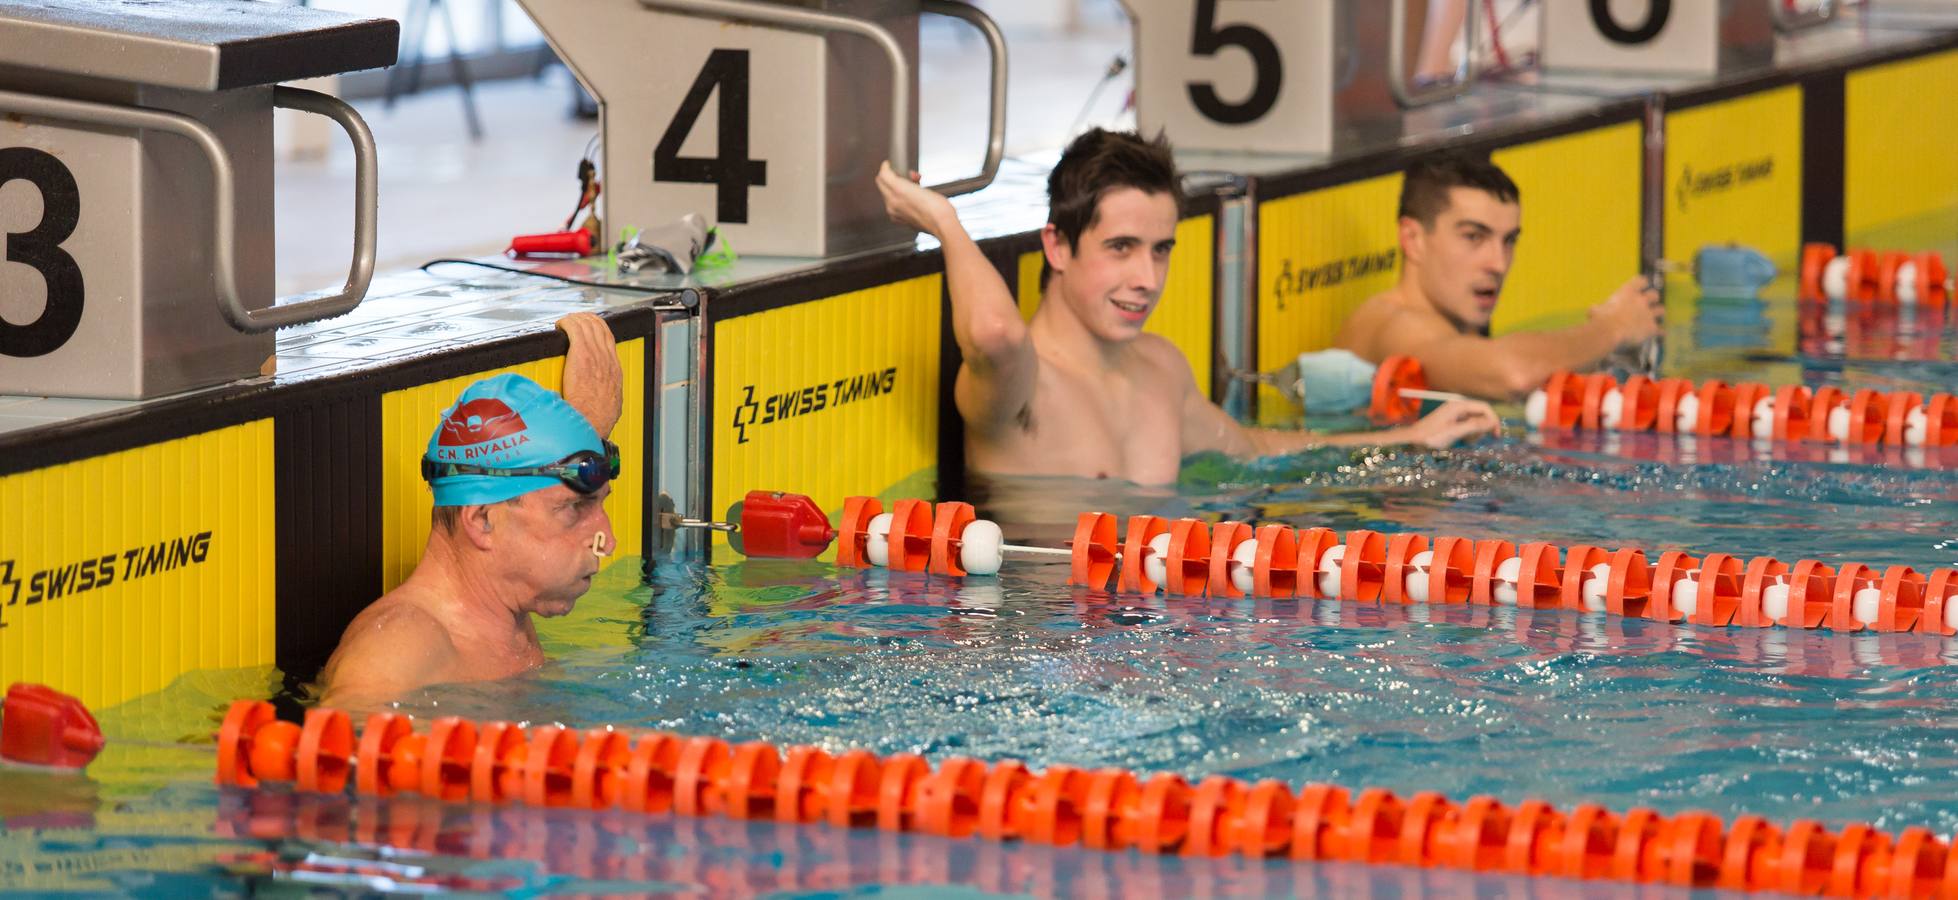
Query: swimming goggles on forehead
(584,471)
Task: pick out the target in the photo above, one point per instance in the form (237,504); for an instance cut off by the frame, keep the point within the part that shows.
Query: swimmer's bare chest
(1128,426)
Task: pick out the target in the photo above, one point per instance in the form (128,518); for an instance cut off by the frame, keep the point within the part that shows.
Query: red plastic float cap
(1815,257)
(1395,374)
(857,513)
(1093,551)
(574,243)
(789,526)
(40,726)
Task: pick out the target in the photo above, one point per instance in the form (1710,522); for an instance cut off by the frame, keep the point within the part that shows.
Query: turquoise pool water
(1560,706)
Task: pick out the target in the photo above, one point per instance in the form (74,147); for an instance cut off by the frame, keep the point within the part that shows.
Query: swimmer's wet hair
(1100,161)
(1424,192)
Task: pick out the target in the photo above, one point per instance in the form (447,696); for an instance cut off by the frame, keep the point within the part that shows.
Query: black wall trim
(1928,43)
(229,405)
(1822,159)
(328,525)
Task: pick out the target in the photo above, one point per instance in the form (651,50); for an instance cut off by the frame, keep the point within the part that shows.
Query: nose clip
(598,547)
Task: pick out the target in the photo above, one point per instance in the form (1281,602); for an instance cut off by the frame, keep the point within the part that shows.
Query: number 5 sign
(1270,76)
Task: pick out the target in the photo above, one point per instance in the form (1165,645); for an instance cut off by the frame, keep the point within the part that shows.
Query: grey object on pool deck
(201,45)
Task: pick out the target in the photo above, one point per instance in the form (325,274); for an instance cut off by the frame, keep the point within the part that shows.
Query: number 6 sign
(1678,37)
(1271,76)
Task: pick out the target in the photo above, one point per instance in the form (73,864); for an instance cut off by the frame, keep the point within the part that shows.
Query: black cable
(633,288)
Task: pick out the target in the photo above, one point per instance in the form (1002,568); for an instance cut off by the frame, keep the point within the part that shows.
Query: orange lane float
(1107,809)
(1188,557)
(1866,276)
(1866,418)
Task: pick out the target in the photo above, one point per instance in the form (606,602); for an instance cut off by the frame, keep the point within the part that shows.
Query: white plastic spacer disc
(877,540)
(1907,284)
(979,547)
(1611,409)
(1244,560)
(1417,576)
(1774,599)
(1686,416)
(1839,424)
(1596,583)
(1835,278)
(1155,560)
(1507,574)
(1329,565)
(1951,612)
(1868,601)
(1535,408)
(1686,594)
(1917,426)
(1763,425)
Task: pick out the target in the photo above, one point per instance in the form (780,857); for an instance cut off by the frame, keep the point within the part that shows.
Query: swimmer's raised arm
(594,383)
(1514,364)
(997,380)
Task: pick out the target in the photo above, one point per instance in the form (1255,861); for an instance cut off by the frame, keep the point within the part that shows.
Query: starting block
(1279,77)
(769,119)
(1656,36)
(136,187)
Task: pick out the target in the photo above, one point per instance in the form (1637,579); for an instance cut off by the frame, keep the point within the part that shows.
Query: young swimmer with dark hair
(1460,219)
(1081,390)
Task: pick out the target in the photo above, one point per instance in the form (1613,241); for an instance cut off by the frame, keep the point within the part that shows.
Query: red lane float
(1793,413)
(1108,809)
(1865,276)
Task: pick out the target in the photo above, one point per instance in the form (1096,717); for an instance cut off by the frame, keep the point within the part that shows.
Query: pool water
(1516,704)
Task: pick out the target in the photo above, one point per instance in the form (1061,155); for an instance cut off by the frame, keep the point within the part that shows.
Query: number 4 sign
(768,118)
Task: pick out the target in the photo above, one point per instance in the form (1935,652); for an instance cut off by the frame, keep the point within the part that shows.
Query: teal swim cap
(505,422)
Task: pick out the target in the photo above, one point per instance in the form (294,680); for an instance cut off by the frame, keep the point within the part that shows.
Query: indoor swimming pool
(1566,707)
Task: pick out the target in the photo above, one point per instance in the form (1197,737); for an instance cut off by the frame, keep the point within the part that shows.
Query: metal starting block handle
(902,126)
(1409,98)
(224,228)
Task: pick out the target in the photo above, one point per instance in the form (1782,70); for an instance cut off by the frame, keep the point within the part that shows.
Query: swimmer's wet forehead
(1123,220)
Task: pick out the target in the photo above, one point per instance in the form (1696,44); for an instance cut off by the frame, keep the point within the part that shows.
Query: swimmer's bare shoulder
(1165,366)
(393,646)
(1386,325)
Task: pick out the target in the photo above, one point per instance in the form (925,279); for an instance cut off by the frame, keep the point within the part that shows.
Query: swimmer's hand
(1452,422)
(911,204)
(594,383)
(1634,313)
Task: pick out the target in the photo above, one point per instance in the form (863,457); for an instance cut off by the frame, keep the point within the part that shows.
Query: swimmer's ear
(1411,234)
(477,525)
(1054,245)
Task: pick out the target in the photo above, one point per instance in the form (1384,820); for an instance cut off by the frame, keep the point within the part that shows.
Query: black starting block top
(202,45)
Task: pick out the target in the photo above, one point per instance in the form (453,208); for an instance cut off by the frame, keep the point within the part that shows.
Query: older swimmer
(520,476)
